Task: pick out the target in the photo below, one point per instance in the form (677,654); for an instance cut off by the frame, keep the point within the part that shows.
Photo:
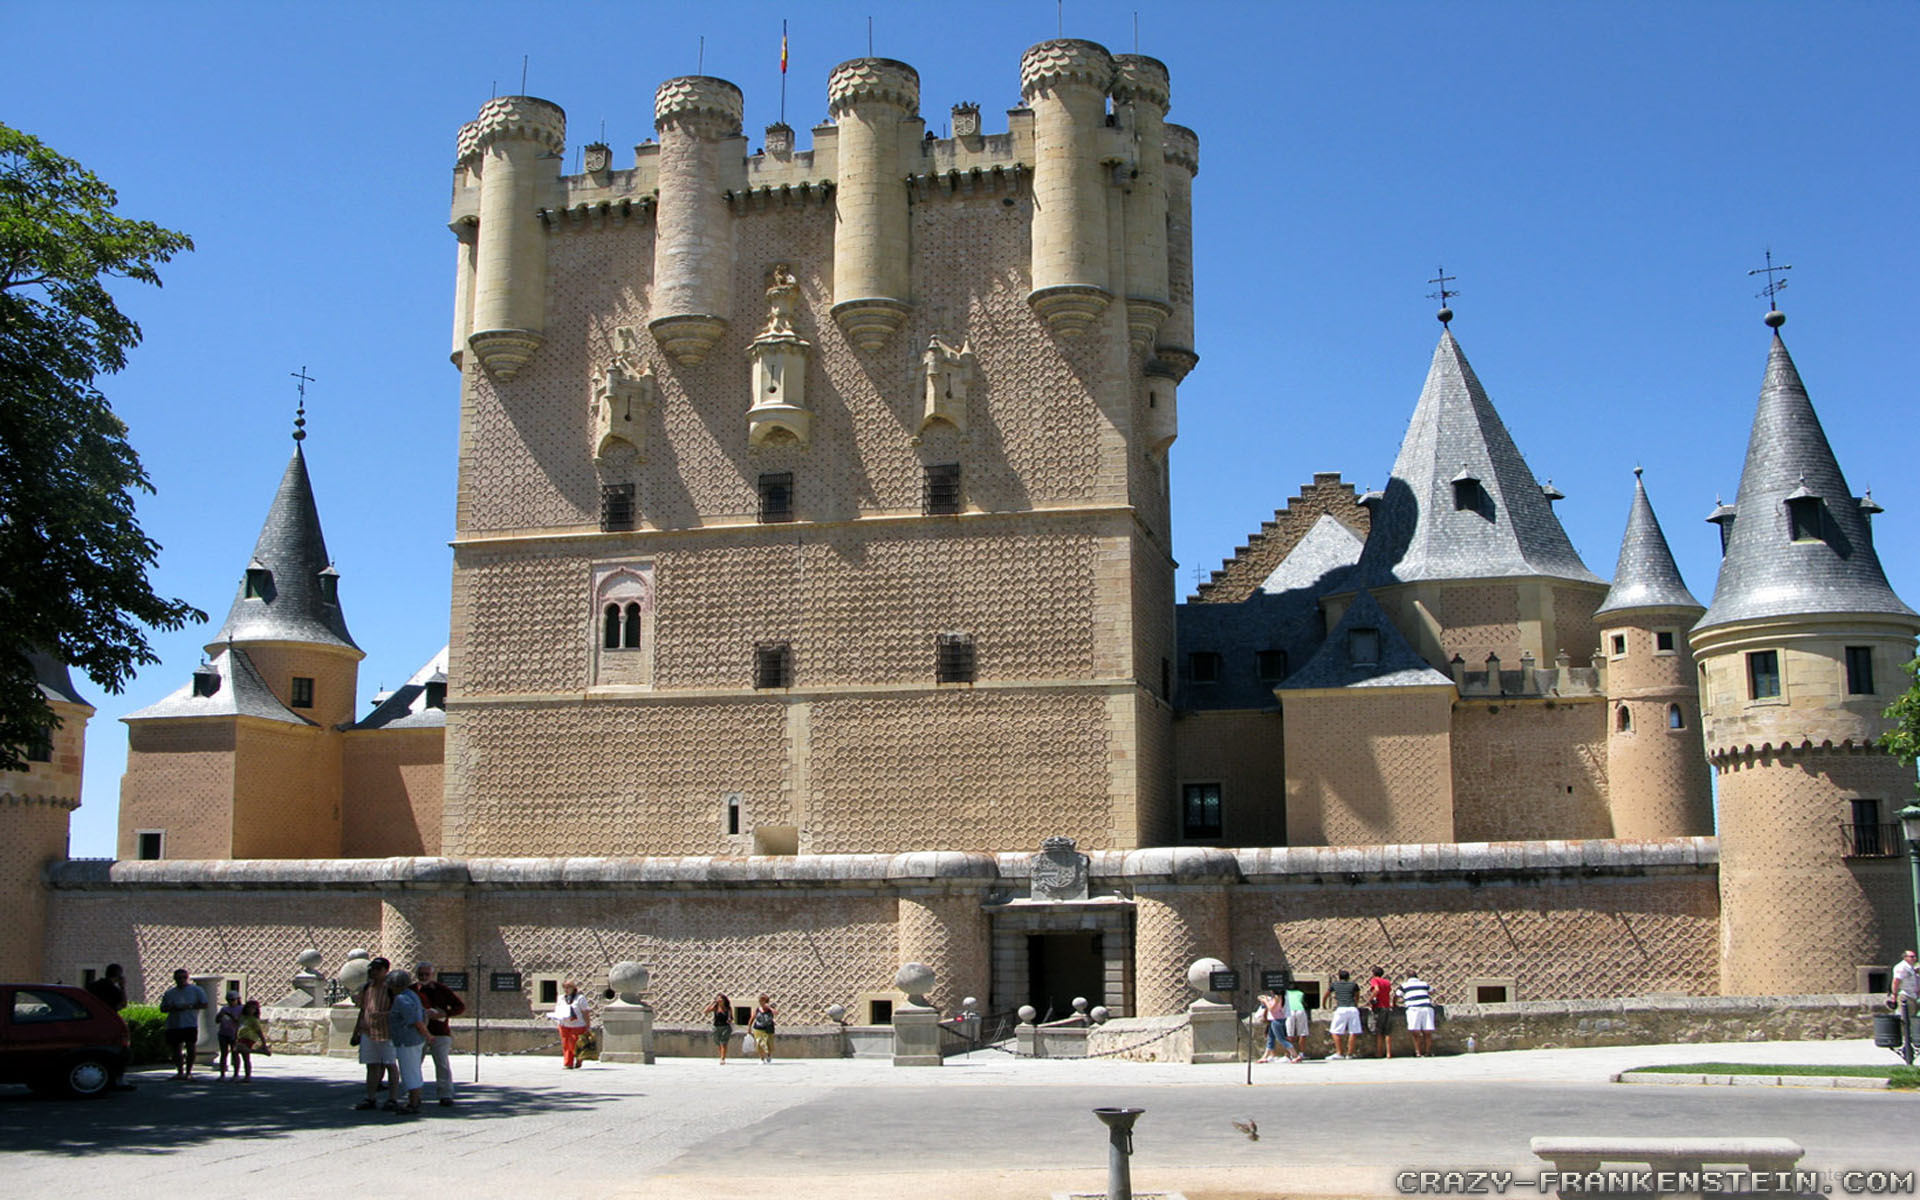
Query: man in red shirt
(1380,1014)
(443,1004)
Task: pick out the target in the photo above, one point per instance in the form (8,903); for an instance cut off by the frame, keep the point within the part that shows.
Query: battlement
(1065,62)
(873,80)
(503,117)
(700,105)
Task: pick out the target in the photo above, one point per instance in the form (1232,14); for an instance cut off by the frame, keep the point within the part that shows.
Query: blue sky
(1600,178)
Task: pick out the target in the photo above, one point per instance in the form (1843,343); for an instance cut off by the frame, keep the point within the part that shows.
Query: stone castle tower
(799,486)
(36,804)
(1798,659)
(1658,783)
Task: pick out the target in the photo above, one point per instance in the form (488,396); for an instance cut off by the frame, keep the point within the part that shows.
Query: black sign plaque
(1223,981)
(1276,981)
(456,980)
(504,981)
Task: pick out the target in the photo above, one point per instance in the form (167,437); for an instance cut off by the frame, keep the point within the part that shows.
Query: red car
(60,1040)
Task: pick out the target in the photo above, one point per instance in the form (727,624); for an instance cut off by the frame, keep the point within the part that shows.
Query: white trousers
(442,1050)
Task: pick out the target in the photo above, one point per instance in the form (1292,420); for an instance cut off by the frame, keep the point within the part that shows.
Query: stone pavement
(989,1126)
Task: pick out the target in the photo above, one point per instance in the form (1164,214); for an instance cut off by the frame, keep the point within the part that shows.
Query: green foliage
(1814,1069)
(73,559)
(1903,740)
(1904,1077)
(147,1026)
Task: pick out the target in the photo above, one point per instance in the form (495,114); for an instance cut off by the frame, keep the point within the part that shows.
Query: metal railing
(1882,840)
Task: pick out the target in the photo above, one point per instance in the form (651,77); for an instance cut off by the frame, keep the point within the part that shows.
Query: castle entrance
(1046,953)
(1061,966)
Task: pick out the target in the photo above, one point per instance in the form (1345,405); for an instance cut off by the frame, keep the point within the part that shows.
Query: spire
(1799,541)
(290,590)
(1461,503)
(1646,575)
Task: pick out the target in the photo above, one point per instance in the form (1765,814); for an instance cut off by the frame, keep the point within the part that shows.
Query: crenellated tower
(513,149)
(1065,82)
(1658,784)
(698,118)
(875,103)
(1799,657)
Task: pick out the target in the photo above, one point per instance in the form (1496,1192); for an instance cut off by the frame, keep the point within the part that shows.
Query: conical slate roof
(1646,575)
(52,676)
(407,707)
(1456,436)
(233,688)
(1765,572)
(292,549)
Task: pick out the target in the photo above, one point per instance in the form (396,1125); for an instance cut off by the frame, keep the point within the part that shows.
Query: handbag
(587,1047)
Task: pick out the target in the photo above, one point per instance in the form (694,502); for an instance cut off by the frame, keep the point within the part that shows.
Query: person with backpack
(762,1026)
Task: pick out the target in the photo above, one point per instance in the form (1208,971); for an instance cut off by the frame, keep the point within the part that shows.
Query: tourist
(1299,1021)
(1903,995)
(182,1004)
(443,1005)
(253,1036)
(1380,1012)
(407,1027)
(226,1031)
(721,1010)
(111,990)
(1343,996)
(1275,1009)
(763,1028)
(1416,995)
(376,1045)
(570,1014)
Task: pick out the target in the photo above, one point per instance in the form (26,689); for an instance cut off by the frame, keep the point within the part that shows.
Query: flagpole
(783,72)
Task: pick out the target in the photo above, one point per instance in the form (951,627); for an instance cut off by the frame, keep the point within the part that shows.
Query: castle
(813,570)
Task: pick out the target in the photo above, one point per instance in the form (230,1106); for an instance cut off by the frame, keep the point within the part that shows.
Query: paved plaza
(988,1126)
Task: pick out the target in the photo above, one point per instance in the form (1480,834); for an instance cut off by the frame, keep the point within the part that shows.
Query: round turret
(1174,345)
(875,102)
(693,231)
(1141,93)
(1065,81)
(515,146)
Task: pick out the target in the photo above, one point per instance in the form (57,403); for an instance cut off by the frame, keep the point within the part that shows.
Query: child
(252,1034)
(226,1024)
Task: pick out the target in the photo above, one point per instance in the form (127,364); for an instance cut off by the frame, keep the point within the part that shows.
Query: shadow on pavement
(163,1115)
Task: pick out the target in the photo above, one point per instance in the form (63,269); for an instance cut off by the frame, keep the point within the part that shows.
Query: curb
(1842,1082)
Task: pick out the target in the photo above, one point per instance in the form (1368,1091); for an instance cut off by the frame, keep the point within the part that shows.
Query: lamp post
(1910,829)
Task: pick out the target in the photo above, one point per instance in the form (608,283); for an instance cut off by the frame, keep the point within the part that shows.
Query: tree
(1903,740)
(73,559)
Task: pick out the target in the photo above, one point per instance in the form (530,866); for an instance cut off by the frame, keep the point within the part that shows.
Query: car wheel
(86,1076)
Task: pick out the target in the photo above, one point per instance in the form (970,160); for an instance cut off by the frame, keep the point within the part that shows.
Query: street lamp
(1910,828)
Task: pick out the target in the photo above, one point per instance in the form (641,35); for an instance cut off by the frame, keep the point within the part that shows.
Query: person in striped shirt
(1417,998)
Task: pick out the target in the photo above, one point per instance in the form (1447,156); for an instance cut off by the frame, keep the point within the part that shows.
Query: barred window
(302,692)
(776,497)
(954,658)
(773,665)
(941,496)
(616,506)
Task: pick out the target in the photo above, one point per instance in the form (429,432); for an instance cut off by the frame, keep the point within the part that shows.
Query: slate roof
(1646,575)
(406,706)
(1333,666)
(1764,573)
(292,547)
(1417,534)
(51,674)
(1328,548)
(240,693)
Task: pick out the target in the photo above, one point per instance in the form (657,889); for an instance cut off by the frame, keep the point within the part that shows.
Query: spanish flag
(783,47)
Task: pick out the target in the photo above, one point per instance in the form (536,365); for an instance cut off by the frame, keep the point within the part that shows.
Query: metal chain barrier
(1127,1048)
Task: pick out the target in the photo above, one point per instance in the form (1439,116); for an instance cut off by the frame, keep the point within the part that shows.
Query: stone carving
(779,356)
(780,139)
(1059,871)
(916,980)
(625,390)
(948,373)
(598,158)
(966,120)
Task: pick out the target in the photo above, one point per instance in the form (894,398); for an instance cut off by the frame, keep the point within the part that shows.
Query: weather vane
(300,413)
(1771,292)
(1443,279)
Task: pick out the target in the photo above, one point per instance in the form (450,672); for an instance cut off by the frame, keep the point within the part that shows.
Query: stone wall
(1525,769)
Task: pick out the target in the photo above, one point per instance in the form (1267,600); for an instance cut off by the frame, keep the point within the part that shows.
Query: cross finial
(1771,292)
(300,413)
(1443,279)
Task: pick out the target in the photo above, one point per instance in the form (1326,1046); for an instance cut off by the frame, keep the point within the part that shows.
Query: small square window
(953,661)
(1200,810)
(1203,666)
(302,692)
(1273,665)
(149,844)
(776,497)
(616,506)
(941,496)
(1363,646)
(1763,675)
(1663,640)
(40,749)
(1859,670)
(1619,642)
(773,665)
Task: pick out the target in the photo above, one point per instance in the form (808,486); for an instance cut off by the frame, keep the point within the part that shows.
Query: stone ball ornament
(916,980)
(1027,1013)
(837,1013)
(1198,974)
(309,959)
(1100,1015)
(353,973)
(628,980)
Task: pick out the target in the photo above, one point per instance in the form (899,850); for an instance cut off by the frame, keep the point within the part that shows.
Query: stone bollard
(627,1023)
(1027,1034)
(1216,1030)
(345,1015)
(1119,1123)
(916,1024)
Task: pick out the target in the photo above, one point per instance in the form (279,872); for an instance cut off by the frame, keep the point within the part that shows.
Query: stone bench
(1582,1155)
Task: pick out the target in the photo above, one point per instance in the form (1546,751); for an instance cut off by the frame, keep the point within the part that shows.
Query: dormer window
(1803,515)
(259,581)
(206,681)
(1722,515)
(329,581)
(1363,647)
(436,690)
(1469,496)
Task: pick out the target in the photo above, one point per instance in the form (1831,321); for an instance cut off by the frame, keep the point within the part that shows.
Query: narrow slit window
(1623,719)
(1676,719)
(610,634)
(630,627)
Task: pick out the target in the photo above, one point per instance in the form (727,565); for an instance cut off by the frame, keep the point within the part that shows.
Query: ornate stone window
(948,375)
(621,397)
(623,618)
(779,359)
